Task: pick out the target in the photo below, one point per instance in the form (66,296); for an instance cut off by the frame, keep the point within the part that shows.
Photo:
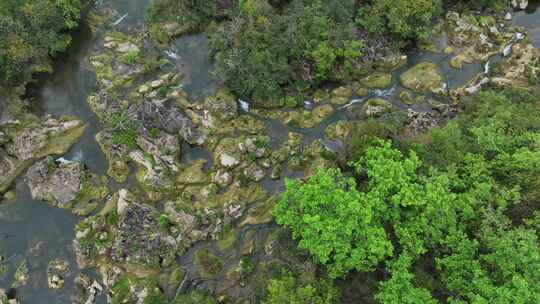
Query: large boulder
(65,184)
(49,137)
(425,76)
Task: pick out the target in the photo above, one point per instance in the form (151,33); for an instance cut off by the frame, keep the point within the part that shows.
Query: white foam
(353,102)
(117,22)
(172,55)
(244,105)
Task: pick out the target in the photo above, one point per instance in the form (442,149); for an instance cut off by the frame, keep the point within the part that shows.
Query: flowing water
(32,230)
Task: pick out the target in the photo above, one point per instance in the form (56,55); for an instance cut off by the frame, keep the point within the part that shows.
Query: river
(34,231)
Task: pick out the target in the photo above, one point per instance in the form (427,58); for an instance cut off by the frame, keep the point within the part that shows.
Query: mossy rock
(425,76)
(377,80)
(208,264)
(341,95)
(227,240)
(260,214)
(376,107)
(457,61)
(406,97)
(193,174)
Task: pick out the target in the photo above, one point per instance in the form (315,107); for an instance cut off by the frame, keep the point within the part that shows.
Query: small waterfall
(508,49)
(172,55)
(117,22)
(384,93)
(353,102)
(487,67)
(244,105)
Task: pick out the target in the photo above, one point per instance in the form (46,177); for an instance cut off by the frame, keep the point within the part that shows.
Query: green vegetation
(457,211)
(287,48)
(406,19)
(124,129)
(169,18)
(288,289)
(30,32)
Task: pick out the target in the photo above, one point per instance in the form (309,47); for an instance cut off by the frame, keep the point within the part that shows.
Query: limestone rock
(425,76)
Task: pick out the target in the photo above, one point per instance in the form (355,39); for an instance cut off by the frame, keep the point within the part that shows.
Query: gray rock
(55,182)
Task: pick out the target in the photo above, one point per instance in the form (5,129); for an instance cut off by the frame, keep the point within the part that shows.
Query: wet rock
(22,275)
(221,107)
(125,232)
(461,31)
(390,62)
(4,299)
(419,122)
(117,156)
(376,107)
(260,214)
(425,76)
(10,195)
(406,97)
(376,81)
(227,153)
(193,174)
(339,130)
(457,61)
(276,171)
(87,289)
(56,272)
(51,136)
(65,184)
(223,178)
(341,95)
(521,69)
(228,161)
(254,173)
(172,120)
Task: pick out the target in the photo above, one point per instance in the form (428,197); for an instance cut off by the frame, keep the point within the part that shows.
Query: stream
(34,231)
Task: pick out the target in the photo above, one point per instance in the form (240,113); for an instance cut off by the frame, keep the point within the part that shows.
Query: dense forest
(408,209)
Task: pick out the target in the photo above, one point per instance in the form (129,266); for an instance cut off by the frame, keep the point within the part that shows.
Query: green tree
(406,19)
(334,222)
(286,49)
(30,32)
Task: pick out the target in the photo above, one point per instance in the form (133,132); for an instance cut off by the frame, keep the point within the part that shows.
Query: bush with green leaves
(30,32)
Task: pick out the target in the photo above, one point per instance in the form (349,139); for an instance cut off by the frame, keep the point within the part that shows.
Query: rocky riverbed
(160,186)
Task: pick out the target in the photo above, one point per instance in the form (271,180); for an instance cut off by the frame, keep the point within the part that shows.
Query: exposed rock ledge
(35,141)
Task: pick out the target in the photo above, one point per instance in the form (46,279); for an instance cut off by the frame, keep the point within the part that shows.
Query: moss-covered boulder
(49,137)
(377,80)
(376,107)
(425,76)
(66,184)
(208,264)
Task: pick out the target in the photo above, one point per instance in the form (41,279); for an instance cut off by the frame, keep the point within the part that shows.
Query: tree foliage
(265,50)
(31,31)
(405,19)
(453,205)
